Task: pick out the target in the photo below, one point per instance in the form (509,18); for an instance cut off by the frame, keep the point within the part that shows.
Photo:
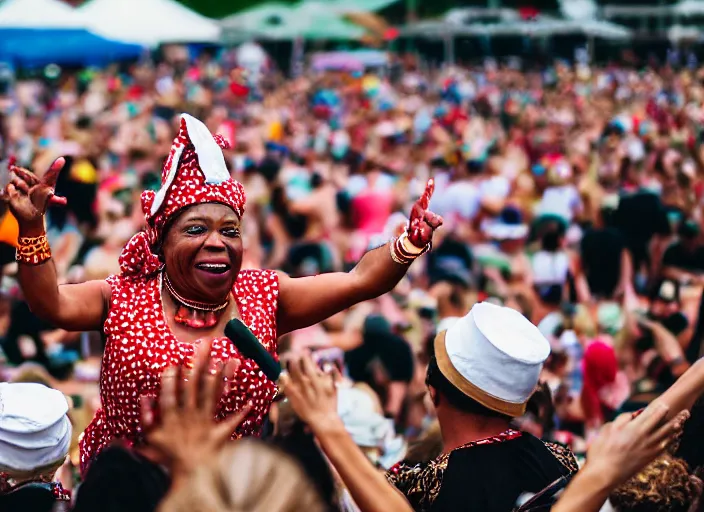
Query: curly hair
(664,485)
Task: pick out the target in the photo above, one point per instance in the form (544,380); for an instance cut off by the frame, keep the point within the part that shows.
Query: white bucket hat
(493,355)
(35,430)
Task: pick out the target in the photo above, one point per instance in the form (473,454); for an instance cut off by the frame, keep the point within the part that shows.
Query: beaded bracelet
(32,250)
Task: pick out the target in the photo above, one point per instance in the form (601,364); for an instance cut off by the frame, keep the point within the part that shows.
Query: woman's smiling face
(203,252)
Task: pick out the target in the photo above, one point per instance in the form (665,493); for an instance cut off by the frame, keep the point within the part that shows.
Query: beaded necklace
(197,315)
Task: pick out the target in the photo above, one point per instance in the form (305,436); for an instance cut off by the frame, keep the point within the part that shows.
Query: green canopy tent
(313,20)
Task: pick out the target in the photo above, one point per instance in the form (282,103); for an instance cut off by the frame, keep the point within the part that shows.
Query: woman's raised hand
(422,222)
(625,446)
(186,434)
(29,196)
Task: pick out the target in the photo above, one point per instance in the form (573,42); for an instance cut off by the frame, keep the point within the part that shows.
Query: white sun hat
(35,430)
(493,355)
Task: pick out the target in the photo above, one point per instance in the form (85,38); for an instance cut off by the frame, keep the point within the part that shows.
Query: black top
(640,216)
(601,251)
(679,257)
(483,477)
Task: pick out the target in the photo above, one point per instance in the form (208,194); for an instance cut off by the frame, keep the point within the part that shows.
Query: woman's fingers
(670,429)
(147,412)
(12,192)
(52,175)
(20,185)
(228,375)
(295,370)
(433,220)
(424,200)
(225,428)
(55,200)
(210,386)
(192,388)
(622,420)
(169,385)
(309,368)
(24,175)
(652,417)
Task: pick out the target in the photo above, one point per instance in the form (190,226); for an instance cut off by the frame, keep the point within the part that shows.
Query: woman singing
(180,282)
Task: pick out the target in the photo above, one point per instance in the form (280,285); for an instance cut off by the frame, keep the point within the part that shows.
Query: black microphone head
(249,346)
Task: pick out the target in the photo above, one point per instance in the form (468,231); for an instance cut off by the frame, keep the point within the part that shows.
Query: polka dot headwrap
(194,173)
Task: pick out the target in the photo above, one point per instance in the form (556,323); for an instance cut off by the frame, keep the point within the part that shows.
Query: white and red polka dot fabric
(140,346)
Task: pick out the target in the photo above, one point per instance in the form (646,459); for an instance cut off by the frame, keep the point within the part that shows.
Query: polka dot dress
(140,346)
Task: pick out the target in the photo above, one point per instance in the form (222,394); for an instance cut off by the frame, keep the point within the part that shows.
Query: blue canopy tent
(39,47)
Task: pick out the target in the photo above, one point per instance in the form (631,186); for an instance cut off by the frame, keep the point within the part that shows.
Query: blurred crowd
(570,193)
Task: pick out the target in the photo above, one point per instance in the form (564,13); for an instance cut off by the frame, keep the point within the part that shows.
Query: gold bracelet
(397,254)
(33,250)
(408,245)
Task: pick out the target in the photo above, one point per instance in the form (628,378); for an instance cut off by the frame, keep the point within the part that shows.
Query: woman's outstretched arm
(308,300)
(73,307)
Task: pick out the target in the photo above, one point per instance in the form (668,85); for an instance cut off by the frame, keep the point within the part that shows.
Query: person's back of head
(483,371)
(34,497)
(113,471)
(293,439)
(444,393)
(247,476)
(664,485)
(35,434)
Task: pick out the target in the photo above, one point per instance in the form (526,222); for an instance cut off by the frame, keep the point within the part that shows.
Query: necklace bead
(190,313)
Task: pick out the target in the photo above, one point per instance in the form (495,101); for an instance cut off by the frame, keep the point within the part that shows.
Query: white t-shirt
(463,198)
(550,267)
(563,201)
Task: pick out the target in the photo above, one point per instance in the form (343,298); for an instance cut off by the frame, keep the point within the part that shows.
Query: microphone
(249,346)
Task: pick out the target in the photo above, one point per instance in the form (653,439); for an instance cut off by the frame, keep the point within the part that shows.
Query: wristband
(32,250)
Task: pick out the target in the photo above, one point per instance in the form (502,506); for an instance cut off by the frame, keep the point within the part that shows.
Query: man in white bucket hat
(482,374)
(35,435)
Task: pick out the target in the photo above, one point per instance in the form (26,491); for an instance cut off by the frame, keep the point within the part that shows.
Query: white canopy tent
(442,29)
(38,14)
(546,27)
(469,15)
(679,33)
(579,9)
(689,8)
(148,22)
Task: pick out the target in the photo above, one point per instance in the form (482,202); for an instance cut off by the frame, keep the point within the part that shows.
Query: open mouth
(213,268)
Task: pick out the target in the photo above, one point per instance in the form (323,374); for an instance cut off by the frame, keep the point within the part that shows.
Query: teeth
(215,266)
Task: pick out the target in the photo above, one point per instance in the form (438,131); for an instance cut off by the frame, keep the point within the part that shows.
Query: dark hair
(688,230)
(269,169)
(454,396)
(542,407)
(316,180)
(113,471)
(32,496)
